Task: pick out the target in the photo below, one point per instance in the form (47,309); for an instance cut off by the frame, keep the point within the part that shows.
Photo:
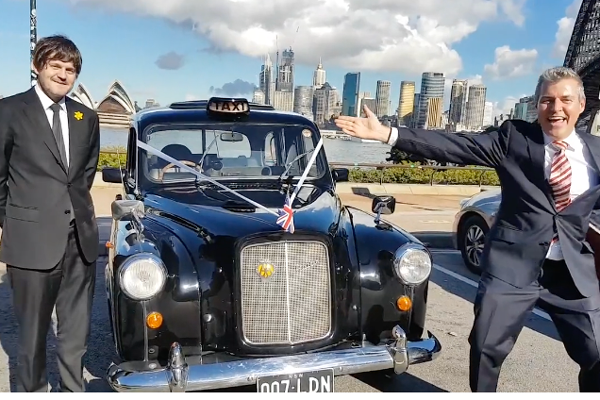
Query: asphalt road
(538,362)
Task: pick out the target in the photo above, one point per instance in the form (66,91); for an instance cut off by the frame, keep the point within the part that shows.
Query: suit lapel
(37,115)
(593,145)
(78,137)
(537,154)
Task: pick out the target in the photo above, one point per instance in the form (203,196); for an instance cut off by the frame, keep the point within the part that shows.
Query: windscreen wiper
(289,165)
(206,152)
(198,181)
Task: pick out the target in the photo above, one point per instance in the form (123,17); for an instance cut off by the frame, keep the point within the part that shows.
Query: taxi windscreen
(231,150)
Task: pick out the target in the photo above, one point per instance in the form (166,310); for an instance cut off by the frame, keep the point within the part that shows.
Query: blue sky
(124,41)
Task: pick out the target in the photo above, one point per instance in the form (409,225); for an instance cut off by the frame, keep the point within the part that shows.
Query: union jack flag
(286,216)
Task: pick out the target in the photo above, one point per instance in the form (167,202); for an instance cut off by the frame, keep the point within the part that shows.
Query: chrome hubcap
(474,242)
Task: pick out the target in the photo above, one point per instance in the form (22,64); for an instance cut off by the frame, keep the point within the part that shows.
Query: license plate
(315,382)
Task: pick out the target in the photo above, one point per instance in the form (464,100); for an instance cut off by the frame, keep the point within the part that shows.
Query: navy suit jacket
(527,219)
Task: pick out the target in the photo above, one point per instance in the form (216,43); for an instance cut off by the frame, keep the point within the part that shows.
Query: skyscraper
(266,83)
(319,76)
(406,102)
(458,102)
(435,110)
(303,101)
(258,97)
(521,108)
(323,104)
(416,111)
(583,55)
(476,106)
(285,72)
(366,100)
(350,94)
(432,86)
(283,100)
(382,98)
(488,114)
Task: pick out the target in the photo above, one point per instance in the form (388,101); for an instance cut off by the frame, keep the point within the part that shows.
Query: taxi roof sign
(224,105)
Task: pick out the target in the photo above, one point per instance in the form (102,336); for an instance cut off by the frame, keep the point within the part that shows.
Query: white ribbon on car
(313,157)
(200,175)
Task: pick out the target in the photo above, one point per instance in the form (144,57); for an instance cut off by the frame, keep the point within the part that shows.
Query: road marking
(445,213)
(474,284)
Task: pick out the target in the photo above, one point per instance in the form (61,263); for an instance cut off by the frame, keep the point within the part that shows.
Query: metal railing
(382,167)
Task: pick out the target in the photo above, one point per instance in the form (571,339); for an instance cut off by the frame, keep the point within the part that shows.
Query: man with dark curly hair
(49,148)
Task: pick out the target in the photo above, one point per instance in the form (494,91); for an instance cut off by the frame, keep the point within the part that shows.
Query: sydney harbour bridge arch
(583,55)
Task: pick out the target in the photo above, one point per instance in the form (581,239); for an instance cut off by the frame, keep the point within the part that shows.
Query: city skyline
(183,60)
(468,110)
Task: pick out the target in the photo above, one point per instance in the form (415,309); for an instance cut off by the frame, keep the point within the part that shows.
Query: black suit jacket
(527,219)
(36,189)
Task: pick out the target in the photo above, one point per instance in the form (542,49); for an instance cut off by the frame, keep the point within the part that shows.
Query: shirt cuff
(393,136)
(594,227)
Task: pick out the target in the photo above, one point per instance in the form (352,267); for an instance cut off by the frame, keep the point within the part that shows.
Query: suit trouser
(500,313)
(69,286)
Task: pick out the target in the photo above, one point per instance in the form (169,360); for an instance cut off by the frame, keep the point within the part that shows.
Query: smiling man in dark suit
(536,252)
(49,148)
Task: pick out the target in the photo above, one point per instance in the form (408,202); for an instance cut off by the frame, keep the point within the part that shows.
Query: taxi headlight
(142,276)
(412,264)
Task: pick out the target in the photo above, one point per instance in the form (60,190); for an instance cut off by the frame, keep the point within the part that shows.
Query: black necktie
(58,135)
(57,130)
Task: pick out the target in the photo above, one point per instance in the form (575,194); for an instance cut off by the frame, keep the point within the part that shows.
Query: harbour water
(342,151)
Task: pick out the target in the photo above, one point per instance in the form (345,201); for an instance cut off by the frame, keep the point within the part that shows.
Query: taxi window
(270,150)
(236,149)
(190,138)
(230,150)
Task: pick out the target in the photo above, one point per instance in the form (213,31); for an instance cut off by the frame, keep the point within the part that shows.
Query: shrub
(423,175)
(109,158)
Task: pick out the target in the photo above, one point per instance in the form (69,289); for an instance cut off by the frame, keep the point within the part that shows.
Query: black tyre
(471,240)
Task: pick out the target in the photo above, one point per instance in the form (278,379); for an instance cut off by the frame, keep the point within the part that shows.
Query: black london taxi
(233,262)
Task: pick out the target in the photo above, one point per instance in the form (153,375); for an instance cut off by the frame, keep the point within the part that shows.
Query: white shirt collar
(47,101)
(572,140)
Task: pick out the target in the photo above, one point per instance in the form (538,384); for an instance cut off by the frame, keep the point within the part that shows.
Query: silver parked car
(472,223)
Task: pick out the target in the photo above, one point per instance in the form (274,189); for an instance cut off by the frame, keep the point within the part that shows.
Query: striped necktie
(560,177)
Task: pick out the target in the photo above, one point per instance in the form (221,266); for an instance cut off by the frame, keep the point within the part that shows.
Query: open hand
(364,128)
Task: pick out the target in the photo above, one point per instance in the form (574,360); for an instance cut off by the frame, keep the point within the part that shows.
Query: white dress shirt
(64,120)
(584,175)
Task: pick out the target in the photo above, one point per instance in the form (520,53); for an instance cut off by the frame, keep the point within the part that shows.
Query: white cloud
(397,35)
(191,97)
(511,63)
(565,29)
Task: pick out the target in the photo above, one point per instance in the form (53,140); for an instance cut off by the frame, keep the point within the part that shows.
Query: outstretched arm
(487,148)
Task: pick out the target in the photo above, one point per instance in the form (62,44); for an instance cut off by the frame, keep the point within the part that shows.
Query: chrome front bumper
(178,376)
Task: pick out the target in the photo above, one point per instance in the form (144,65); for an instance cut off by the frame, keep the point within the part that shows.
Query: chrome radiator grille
(293,303)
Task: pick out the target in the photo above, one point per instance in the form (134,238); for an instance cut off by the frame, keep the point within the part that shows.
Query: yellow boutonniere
(78,115)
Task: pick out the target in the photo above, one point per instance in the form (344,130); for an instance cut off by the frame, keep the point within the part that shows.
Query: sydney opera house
(114,110)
